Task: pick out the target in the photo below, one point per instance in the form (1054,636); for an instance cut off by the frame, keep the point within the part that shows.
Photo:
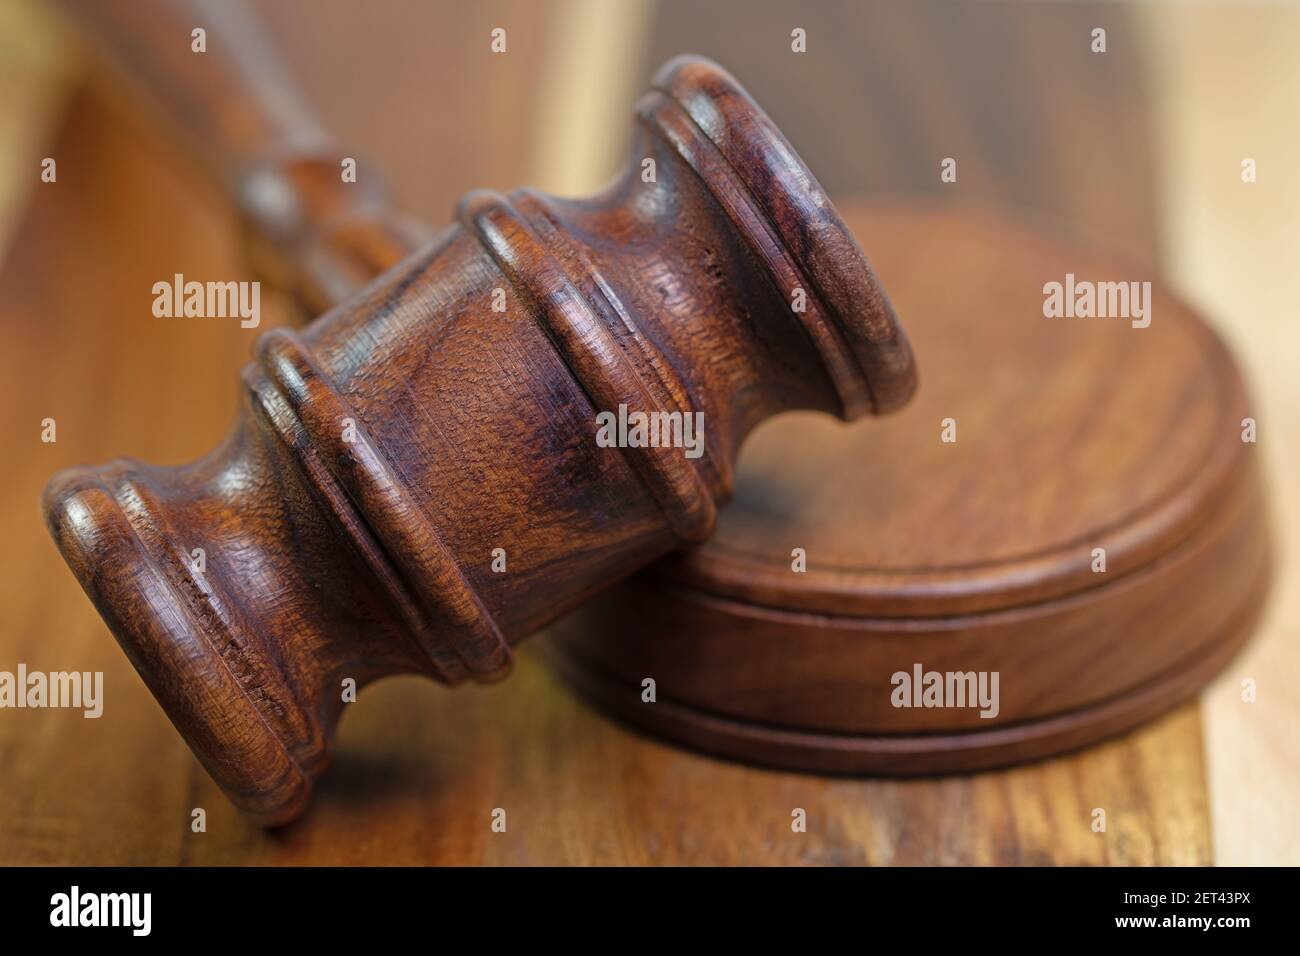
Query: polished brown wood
(419,767)
(977,555)
(392,455)
(745,577)
(243,118)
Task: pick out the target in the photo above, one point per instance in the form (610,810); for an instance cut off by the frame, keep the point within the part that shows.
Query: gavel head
(543,399)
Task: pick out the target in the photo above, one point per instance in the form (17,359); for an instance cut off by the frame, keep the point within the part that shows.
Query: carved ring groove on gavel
(383,453)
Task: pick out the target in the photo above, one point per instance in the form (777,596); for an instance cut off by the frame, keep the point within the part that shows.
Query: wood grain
(1010,90)
(577,787)
(82,789)
(1222,79)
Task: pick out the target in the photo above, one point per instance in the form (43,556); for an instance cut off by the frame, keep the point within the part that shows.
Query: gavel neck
(316,231)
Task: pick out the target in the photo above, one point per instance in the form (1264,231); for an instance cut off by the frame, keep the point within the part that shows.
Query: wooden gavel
(417,479)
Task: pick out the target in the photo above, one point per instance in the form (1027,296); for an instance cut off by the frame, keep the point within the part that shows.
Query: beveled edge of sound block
(928,752)
(819,244)
(899,755)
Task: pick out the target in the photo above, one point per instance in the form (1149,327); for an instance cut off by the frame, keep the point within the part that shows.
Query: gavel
(426,474)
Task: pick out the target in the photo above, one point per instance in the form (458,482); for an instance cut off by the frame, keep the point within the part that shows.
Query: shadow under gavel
(533,405)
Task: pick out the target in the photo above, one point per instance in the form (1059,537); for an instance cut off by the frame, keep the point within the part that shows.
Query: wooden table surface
(420,769)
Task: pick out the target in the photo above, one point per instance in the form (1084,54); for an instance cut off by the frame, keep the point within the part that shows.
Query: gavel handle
(311,232)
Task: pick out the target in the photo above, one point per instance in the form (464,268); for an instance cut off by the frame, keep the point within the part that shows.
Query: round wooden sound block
(1094,539)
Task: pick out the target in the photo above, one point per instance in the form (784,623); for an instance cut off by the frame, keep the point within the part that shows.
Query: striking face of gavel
(543,399)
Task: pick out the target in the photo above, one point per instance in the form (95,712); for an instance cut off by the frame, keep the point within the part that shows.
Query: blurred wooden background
(1141,146)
